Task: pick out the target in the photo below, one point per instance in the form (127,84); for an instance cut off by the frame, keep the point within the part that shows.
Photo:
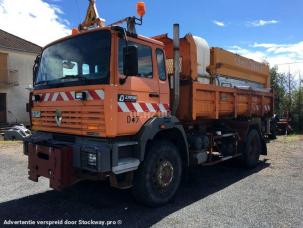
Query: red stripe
(130,106)
(59,98)
(42,97)
(119,109)
(50,96)
(94,95)
(156,107)
(144,107)
(69,95)
(166,106)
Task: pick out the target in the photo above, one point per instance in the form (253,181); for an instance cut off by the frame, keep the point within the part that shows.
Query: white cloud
(33,20)
(295,49)
(259,23)
(288,57)
(219,23)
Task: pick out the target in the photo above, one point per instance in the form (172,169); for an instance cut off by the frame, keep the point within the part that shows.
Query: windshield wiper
(41,82)
(73,77)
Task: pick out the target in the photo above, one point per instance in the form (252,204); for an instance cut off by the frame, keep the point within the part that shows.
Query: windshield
(84,59)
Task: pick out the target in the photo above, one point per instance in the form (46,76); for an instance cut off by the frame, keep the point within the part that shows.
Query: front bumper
(81,147)
(60,159)
(53,162)
(66,158)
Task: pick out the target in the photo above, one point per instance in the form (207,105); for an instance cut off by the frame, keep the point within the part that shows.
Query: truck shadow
(97,201)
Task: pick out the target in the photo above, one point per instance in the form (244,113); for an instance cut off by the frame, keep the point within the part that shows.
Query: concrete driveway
(220,196)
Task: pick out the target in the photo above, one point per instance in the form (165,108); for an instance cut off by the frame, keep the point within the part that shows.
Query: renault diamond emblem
(58,117)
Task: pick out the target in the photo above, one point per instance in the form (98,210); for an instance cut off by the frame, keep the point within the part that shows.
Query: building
(17,58)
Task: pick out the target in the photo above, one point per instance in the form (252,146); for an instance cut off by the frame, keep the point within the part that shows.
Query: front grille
(81,121)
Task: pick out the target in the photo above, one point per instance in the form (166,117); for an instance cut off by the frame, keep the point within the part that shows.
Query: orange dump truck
(111,104)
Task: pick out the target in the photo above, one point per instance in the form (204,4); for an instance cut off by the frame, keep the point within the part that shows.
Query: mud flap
(53,162)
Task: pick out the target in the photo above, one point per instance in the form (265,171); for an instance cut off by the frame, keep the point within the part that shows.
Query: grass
(290,138)
(10,142)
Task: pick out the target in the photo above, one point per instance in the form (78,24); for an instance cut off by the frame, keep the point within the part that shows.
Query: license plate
(36,114)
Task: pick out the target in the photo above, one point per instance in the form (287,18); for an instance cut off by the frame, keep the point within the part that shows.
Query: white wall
(18,96)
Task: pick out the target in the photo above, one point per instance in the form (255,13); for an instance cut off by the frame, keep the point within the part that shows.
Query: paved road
(220,196)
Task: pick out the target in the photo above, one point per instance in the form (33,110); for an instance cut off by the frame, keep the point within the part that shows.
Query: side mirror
(36,67)
(130,57)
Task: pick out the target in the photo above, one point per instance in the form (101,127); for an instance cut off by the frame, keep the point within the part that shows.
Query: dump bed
(229,86)
(204,101)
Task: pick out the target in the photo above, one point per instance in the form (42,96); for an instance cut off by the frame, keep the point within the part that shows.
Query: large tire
(252,149)
(273,130)
(159,176)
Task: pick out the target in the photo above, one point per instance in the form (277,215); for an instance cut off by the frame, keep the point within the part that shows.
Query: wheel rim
(164,174)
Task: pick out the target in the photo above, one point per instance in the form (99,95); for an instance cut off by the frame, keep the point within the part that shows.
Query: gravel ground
(220,196)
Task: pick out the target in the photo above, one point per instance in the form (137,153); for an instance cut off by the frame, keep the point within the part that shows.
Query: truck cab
(80,87)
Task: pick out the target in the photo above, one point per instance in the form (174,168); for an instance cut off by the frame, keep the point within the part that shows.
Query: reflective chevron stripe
(70,96)
(142,107)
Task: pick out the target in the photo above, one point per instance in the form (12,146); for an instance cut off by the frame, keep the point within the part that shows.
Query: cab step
(126,165)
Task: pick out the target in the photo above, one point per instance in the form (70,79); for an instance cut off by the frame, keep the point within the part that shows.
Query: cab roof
(140,37)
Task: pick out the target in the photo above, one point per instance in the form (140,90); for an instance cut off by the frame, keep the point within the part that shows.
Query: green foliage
(297,109)
(278,84)
(288,97)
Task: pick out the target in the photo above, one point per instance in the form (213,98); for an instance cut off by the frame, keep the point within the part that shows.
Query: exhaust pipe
(176,42)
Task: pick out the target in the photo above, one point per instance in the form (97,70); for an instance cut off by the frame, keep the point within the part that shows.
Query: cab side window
(161,64)
(145,64)
(85,69)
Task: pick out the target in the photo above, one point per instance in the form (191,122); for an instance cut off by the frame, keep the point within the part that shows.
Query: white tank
(203,58)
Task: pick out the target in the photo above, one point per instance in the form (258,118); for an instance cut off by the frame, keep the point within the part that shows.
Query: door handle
(154,95)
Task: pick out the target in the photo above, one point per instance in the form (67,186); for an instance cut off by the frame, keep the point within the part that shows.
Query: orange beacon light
(141,8)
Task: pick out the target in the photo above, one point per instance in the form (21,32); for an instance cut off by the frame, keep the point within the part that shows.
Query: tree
(288,97)
(278,84)
(297,109)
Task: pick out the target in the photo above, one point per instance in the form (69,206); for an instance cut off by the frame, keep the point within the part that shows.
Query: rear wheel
(252,149)
(159,176)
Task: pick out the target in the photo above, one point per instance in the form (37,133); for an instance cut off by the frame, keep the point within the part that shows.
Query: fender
(154,126)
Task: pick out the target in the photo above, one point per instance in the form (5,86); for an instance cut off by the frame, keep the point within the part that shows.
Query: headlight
(80,95)
(92,159)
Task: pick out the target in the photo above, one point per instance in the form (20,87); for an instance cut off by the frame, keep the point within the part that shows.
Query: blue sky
(196,16)
(268,30)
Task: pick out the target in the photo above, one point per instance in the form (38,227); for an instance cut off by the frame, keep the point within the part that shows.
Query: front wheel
(159,176)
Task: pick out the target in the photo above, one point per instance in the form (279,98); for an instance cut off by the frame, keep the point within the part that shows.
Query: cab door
(139,96)
(163,80)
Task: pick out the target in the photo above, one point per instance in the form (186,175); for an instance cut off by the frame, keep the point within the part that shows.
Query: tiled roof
(10,41)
